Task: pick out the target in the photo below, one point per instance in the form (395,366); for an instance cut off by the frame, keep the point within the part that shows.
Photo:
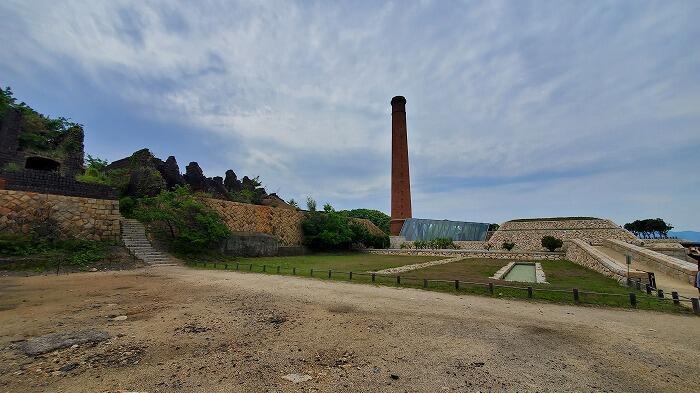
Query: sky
(515,108)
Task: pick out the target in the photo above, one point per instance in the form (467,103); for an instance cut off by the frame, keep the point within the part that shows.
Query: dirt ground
(220,331)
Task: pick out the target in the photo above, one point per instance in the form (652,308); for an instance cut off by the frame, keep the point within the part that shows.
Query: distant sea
(693,236)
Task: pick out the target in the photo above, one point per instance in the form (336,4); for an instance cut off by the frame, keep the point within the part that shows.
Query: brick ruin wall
(84,218)
(283,223)
(53,183)
(527,235)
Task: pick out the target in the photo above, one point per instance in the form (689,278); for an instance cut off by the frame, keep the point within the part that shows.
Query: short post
(696,305)
(576,295)
(225,266)
(457,285)
(676,300)
(312,272)
(278,269)
(329,273)
(648,288)
(660,293)
(374,276)
(214,265)
(250,267)
(425,283)
(491,288)
(398,280)
(294,271)
(350,276)
(264,268)
(237,266)
(639,285)
(633,300)
(529,292)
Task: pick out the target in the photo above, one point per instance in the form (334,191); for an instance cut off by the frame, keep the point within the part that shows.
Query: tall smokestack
(400,179)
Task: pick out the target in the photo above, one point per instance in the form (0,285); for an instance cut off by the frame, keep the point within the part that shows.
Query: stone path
(135,239)
(415,266)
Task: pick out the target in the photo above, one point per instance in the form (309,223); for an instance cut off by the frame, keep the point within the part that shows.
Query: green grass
(562,276)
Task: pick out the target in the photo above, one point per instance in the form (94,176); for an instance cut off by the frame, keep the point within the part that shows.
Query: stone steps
(136,241)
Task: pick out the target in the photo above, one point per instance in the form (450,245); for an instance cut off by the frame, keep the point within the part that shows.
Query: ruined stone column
(400,180)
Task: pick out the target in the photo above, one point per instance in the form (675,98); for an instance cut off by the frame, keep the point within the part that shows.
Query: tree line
(650,228)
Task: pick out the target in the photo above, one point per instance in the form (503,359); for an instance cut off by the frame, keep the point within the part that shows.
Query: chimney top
(398,100)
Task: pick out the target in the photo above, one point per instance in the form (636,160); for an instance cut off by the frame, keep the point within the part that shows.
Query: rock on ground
(51,342)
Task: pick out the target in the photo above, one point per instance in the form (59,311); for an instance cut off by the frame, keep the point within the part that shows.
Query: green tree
(310,204)
(378,218)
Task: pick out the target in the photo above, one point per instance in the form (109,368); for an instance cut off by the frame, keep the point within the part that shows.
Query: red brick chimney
(400,180)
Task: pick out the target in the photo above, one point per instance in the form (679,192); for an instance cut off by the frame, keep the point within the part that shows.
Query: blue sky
(515,109)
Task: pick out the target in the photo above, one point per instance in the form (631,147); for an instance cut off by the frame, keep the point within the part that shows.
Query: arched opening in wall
(42,164)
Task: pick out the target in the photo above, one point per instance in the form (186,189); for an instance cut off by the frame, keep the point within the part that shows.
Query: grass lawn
(343,262)
(562,276)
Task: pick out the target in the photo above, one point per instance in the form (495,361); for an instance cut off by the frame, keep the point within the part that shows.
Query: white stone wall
(498,254)
(528,235)
(678,268)
(582,253)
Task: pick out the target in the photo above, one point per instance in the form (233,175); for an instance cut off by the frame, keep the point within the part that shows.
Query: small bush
(442,243)
(127,206)
(11,167)
(551,243)
(508,245)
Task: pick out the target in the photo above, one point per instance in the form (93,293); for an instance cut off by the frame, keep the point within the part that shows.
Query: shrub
(551,243)
(334,231)
(377,217)
(508,245)
(11,167)
(127,206)
(185,223)
(441,243)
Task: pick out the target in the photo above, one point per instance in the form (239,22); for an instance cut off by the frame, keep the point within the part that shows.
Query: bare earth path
(216,331)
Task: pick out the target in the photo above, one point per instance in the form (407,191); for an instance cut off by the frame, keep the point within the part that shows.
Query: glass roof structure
(422,229)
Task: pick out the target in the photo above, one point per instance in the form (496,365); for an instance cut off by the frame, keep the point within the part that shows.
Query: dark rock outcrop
(171,173)
(194,176)
(231,182)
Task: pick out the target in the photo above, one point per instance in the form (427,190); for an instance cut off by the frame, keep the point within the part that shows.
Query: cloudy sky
(515,109)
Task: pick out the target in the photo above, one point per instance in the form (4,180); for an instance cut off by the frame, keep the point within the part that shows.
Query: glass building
(422,229)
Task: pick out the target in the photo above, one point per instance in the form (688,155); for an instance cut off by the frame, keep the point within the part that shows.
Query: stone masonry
(285,224)
(84,218)
(527,235)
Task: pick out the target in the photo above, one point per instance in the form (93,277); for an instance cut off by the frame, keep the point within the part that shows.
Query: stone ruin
(26,146)
(144,174)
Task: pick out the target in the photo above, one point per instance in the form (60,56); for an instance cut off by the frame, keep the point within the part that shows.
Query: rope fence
(647,292)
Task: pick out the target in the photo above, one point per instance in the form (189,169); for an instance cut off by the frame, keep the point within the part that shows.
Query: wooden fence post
(250,267)
(329,273)
(676,300)
(264,268)
(696,305)
(529,292)
(398,280)
(350,276)
(312,272)
(425,283)
(226,266)
(374,276)
(576,295)
(648,288)
(457,285)
(633,299)
(278,269)
(491,288)
(660,293)
(294,271)
(237,265)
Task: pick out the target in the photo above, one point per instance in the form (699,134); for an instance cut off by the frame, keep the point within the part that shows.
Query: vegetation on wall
(182,221)
(650,228)
(331,230)
(378,218)
(551,243)
(441,243)
(508,245)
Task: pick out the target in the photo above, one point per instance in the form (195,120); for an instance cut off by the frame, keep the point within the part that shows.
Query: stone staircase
(135,239)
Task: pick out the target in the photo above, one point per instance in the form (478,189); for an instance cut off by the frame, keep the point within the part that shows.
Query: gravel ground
(216,331)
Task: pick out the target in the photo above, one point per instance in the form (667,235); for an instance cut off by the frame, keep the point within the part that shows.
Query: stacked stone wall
(509,255)
(527,235)
(582,253)
(83,218)
(53,183)
(678,268)
(285,224)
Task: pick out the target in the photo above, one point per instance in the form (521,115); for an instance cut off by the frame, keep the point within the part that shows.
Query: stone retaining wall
(285,224)
(678,268)
(582,253)
(84,218)
(527,235)
(511,255)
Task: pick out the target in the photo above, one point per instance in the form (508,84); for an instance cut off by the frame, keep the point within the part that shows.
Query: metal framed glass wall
(422,229)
